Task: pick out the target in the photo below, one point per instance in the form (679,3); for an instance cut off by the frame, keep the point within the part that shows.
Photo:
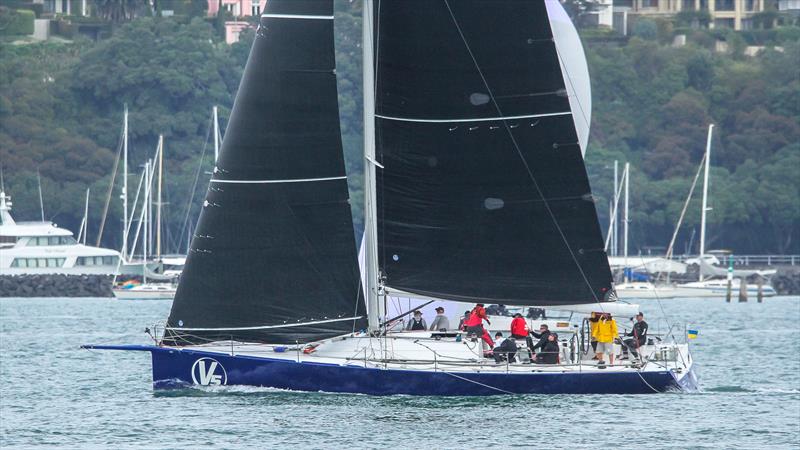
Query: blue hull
(180,368)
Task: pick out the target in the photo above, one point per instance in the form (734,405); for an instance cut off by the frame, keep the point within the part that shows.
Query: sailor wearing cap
(440,323)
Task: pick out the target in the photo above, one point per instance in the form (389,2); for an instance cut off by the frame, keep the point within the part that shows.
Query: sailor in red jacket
(474,324)
(520,330)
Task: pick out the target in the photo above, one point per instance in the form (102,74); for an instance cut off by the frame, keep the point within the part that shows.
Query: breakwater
(55,285)
(787,281)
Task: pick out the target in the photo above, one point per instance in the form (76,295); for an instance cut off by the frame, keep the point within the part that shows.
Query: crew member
(463,320)
(605,331)
(440,322)
(504,349)
(474,324)
(550,349)
(638,337)
(519,330)
(544,331)
(417,322)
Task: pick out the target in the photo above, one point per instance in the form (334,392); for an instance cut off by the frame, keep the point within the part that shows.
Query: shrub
(16,22)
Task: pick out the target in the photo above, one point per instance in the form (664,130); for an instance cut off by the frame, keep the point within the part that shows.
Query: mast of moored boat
(83,231)
(158,204)
(704,208)
(41,201)
(615,221)
(370,193)
(125,183)
(146,213)
(626,222)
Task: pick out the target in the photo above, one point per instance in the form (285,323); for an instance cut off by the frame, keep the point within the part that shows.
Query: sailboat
(476,191)
(158,286)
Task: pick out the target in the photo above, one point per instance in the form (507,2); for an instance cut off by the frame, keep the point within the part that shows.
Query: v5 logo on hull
(209,372)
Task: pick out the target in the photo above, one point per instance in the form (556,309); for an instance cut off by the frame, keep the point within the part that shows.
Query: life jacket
(417,325)
(519,327)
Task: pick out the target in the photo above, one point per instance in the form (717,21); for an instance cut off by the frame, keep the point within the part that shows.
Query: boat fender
(279,349)
(310,349)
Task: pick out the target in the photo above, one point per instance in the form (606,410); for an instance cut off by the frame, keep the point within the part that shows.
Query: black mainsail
(482,193)
(273,258)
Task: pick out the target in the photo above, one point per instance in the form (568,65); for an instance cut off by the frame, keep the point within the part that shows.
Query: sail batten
(497,209)
(273,258)
(475,119)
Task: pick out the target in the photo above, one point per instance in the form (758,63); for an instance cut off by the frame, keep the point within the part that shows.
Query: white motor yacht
(36,248)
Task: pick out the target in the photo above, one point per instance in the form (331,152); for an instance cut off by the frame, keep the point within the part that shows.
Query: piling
(728,291)
(760,295)
(743,291)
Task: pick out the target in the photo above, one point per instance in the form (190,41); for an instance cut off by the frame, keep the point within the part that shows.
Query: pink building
(238,9)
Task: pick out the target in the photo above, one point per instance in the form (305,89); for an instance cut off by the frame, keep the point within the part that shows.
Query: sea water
(54,394)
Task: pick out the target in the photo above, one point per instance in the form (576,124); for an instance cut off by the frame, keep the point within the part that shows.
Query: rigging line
(110,193)
(658,300)
(685,207)
(359,291)
(266,327)
(639,372)
(196,179)
(477,382)
(616,207)
(522,157)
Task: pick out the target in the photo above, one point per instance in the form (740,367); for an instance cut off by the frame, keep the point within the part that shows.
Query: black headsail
(273,258)
(483,194)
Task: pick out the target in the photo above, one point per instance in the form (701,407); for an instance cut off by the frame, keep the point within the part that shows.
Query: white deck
(419,351)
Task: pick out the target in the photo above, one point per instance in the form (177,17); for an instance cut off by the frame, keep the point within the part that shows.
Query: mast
(158,204)
(370,207)
(704,208)
(86,217)
(615,224)
(627,176)
(125,183)
(146,212)
(41,202)
(216,133)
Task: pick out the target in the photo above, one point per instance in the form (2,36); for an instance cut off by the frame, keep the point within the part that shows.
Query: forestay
(483,193)
(273,258)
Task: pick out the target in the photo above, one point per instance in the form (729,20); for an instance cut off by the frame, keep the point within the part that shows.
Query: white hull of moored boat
(635,291)
(145,292)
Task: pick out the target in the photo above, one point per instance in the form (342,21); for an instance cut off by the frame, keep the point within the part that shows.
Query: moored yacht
(716,287)
(35,248)
(635,290)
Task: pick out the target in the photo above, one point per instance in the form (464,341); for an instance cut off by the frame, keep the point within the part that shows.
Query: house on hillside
(735,14)
(238,9)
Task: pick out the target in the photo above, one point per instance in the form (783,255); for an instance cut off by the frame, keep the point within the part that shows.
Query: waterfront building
(735,14)
(239,9)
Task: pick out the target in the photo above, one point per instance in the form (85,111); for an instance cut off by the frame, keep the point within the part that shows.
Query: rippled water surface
(54,394)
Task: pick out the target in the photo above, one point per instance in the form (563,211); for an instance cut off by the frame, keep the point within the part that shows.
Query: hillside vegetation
(61,114)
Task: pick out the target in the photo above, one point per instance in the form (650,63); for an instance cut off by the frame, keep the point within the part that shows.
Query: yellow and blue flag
(692,334)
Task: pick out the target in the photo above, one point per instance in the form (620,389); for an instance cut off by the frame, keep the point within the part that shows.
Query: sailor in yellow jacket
(604,330)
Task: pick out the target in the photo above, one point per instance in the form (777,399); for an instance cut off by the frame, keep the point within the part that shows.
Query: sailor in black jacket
(638,337)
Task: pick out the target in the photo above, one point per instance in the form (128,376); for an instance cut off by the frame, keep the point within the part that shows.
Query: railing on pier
(754,260)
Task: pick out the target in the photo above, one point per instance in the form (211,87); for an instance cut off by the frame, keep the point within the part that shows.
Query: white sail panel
(573,65)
